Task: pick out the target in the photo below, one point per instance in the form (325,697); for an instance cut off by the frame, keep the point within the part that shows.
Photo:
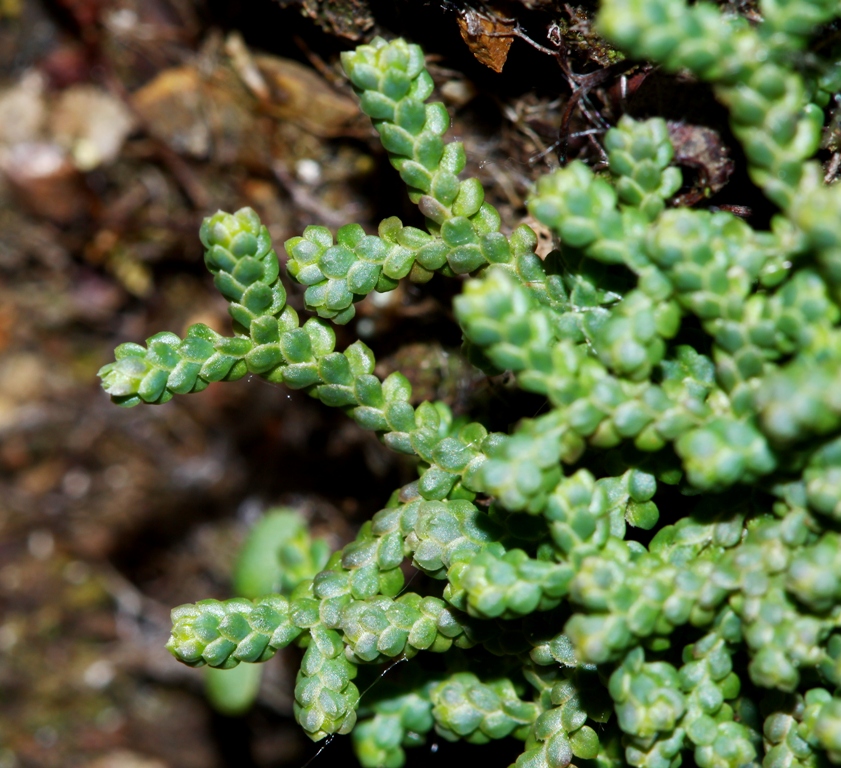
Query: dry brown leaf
(205,116)
(488,38)
(701,148)
(173,107)
(303,97)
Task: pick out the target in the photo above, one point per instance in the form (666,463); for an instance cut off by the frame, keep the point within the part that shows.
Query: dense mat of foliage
(692,370)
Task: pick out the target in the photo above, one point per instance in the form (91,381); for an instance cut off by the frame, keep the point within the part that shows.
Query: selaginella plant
(650,570)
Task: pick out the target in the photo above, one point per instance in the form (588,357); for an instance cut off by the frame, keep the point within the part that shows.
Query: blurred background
(122,124)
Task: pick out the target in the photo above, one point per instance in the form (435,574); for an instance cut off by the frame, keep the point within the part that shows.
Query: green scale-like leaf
(688,366)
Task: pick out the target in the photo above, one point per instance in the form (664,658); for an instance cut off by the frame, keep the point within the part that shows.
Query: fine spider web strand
(324,746)
(408,583)
(376,681)
(274,384)
(382,674)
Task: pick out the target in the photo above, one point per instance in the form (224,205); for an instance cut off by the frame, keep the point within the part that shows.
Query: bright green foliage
(276,556)
(690,366)
(559,733)
(392,84)
(640,154)
(223,634)
(649,709)
(789,729)
(709,683)
(466,708)
(400,719)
